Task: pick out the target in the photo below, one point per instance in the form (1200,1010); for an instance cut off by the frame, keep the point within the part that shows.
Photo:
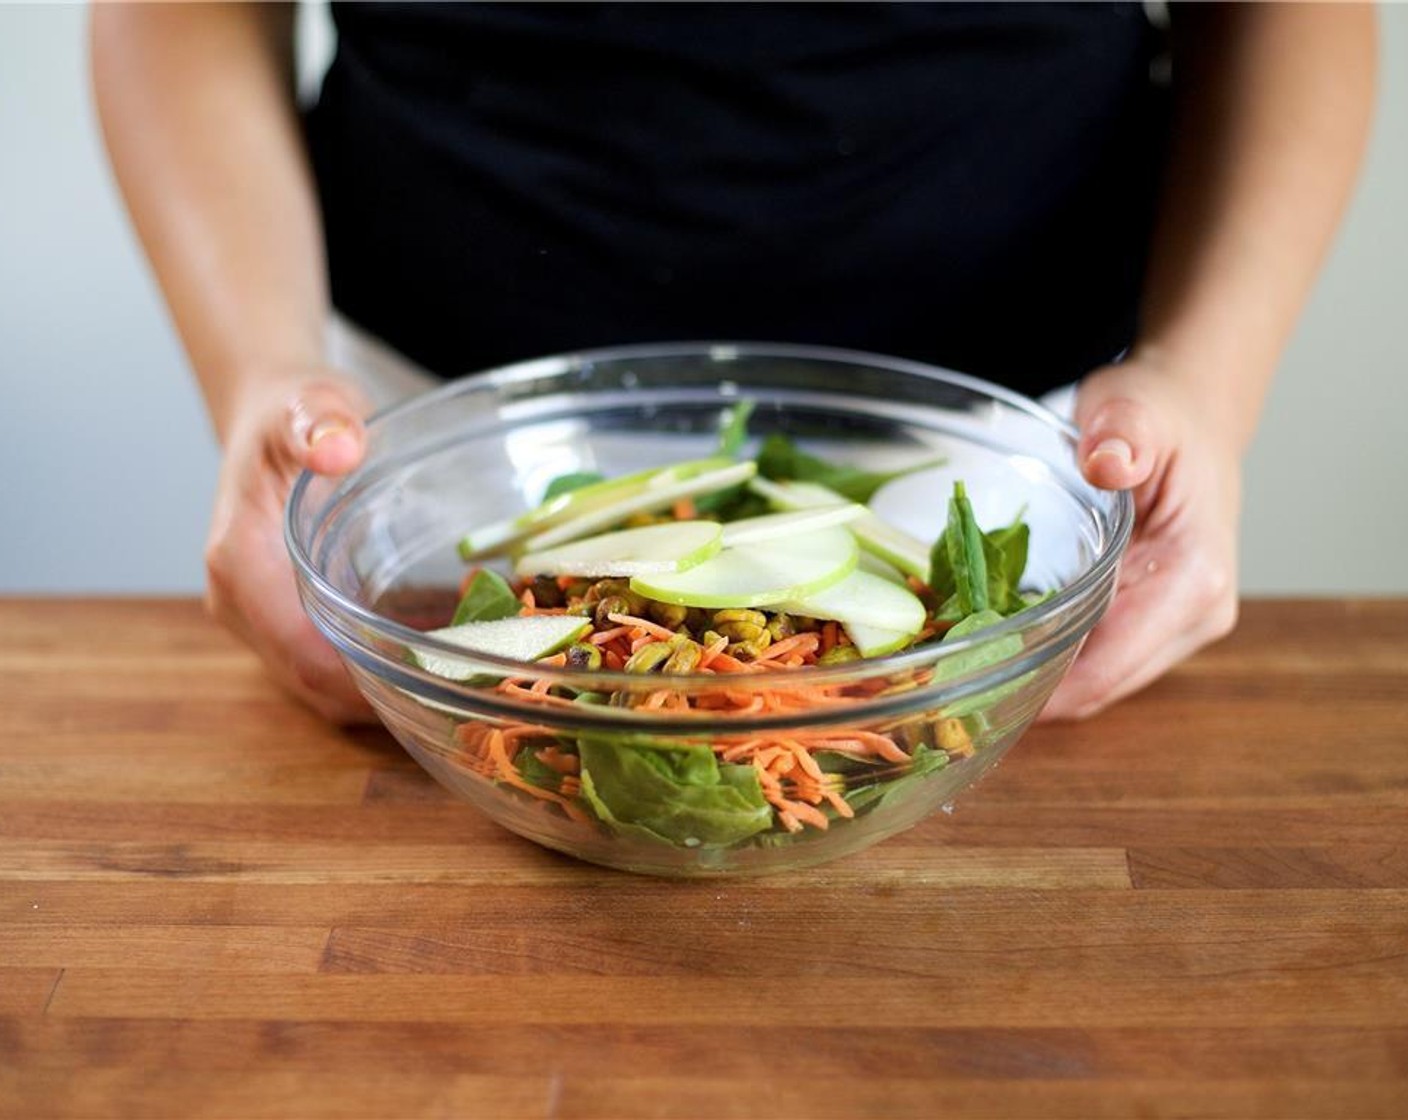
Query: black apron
(969,185)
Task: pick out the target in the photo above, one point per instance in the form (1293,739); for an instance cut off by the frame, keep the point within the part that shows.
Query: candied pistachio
(751,649)
(710,637)
(741,625)
(669,615)
(912,735)
(952,736)
(781,626)
(650,657)
(839,655)
(583,655)
(602,588)
(629,603)
(685,658)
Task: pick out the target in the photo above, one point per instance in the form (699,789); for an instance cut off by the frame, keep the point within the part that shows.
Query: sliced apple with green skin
(502,535)
(655,497)
(672,547)
(525,638)
(906,552)
(872,641)
(871,563)
(758,575)
(864,599)
(772,526)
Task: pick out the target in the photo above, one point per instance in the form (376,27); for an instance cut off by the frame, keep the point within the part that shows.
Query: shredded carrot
(660,632)
(684,510)
(601,637)
(797,643)
(801,794)
(711,651)
(555,758)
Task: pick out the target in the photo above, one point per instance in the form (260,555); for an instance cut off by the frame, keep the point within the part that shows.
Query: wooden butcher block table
(213,905)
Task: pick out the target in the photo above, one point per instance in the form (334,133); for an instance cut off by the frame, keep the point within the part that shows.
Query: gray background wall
(107,465)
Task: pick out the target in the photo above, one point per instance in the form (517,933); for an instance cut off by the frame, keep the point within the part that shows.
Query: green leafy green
(973,571)
(733,427)
(966,556)
(732,502)
(892,787)
(979,657)
(681,794)
(572,480)
(535,771)
(487,597)
(780,459)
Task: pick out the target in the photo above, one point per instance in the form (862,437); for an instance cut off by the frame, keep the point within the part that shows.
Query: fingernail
(1116,447)
(328,426)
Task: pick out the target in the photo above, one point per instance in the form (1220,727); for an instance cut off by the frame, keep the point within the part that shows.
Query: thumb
(1120,442)
(323,430)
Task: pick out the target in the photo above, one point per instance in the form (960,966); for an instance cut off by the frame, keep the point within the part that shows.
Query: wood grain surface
(211,905)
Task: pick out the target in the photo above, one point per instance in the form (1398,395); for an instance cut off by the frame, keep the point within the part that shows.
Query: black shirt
(969,185)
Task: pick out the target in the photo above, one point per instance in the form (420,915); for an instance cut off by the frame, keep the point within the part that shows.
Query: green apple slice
(871,563)
(501,535)
(872,641)
(906,552)
(758,575)
(771,526)
(671,547)
(660,494)
(865,599)
(525,638)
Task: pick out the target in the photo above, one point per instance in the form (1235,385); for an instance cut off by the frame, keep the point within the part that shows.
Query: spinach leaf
(967,558)
(887,791)
(535,771)
(486,597)
(733,427)
(979,657)
(779,459)
(732,502)
(572,480)
(972,571)
(679,794)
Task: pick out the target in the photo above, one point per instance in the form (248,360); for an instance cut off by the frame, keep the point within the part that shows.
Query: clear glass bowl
(376,564)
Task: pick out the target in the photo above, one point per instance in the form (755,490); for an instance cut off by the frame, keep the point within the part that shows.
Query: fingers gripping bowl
(671,765)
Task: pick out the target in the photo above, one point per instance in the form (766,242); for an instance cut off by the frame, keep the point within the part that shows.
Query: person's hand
(281,428)
(1142,431)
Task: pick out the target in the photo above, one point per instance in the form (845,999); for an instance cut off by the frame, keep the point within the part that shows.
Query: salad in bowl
(762,653)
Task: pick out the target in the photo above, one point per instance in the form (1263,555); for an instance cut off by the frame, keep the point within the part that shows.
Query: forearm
(1273,104)
(197,108)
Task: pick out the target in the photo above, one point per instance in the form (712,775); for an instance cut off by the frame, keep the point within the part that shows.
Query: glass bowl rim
(1062,602)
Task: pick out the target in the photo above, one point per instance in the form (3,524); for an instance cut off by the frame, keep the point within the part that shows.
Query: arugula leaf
(487,597)
(779,459)
(733,426)
(679,794)
(572,480)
